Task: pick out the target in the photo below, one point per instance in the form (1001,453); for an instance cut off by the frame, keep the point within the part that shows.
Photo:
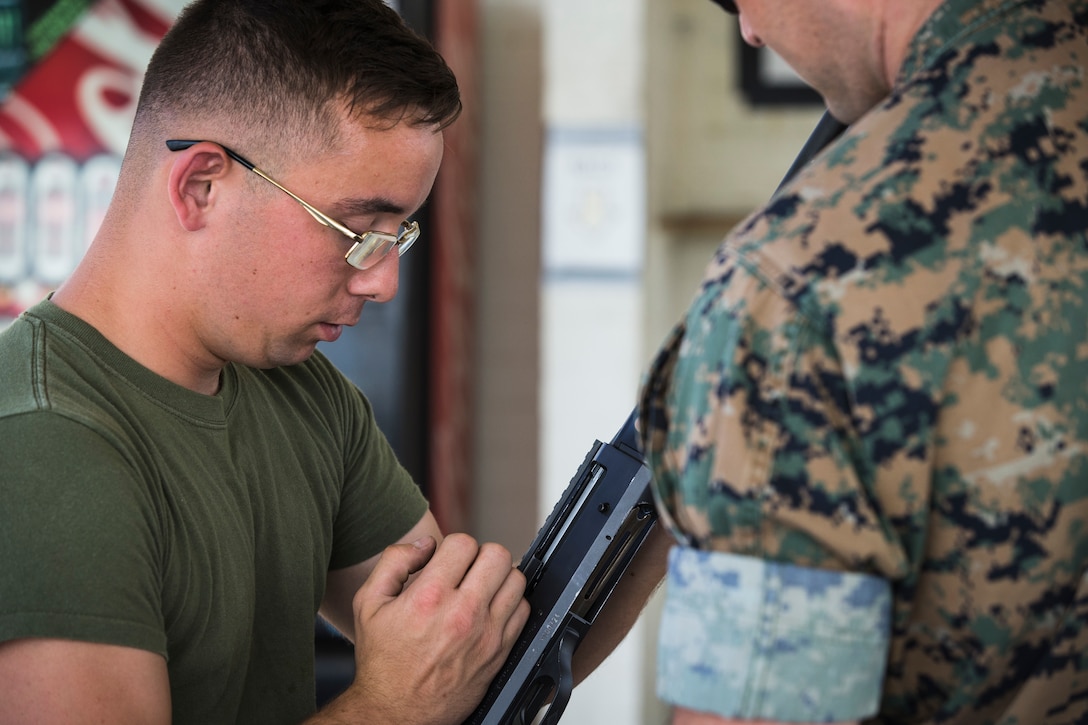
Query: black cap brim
(727,5)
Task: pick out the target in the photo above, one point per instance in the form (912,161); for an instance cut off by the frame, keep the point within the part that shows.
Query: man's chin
(288,355)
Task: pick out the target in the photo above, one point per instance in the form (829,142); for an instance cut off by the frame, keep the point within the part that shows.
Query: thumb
(397,563)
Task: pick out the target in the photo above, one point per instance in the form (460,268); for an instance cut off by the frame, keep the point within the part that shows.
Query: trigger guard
(565,681)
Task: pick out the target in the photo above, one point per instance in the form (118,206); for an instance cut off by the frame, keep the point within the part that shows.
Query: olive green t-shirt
(139,513)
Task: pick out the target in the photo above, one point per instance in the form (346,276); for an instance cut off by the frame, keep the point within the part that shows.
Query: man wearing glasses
(184,481)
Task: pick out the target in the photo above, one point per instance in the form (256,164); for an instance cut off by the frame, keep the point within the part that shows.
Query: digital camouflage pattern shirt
(884,375)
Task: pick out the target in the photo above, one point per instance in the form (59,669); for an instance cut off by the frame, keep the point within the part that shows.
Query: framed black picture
(766,80)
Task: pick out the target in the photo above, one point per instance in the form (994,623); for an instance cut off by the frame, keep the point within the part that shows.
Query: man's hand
(426,652)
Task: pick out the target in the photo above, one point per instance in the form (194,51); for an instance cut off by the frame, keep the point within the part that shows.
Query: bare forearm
(353,707)
(691,717)
(625,605)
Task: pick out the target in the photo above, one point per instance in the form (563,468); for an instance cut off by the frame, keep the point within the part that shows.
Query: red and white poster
(63,129)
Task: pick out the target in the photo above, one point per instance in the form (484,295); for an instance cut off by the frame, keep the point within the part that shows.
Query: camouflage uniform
(870,431)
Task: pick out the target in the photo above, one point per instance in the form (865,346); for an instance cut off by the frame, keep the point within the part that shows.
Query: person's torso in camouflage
(886,370)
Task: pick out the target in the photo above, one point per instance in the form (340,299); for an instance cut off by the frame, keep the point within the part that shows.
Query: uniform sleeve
(746,422)
(748,638)
(81,558)
(746,425)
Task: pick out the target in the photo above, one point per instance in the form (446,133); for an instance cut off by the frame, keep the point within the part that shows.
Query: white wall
(593,242)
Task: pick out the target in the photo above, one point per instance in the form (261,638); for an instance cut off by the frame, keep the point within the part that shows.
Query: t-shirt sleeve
(380,502)
(78,535)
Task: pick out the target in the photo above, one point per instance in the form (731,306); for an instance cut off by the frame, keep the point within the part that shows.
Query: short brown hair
(277,67)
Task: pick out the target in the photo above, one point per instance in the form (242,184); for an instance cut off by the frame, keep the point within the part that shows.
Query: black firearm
(571,569)
(582,551)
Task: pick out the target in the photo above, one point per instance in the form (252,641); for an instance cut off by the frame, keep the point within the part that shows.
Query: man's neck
(900,23)
(138,324)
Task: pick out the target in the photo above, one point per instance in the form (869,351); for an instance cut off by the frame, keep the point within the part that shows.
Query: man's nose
(748,34)
(378,283)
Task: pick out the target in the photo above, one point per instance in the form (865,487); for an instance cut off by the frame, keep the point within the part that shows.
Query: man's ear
(192,180)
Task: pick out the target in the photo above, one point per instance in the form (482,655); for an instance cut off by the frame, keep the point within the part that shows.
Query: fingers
(479,574)
(439,642)
(490,569)
(397,563)
(508,585)
(461,563)
(452,561)
(511,606)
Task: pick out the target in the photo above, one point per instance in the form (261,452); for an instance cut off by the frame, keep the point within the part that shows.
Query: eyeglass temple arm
(181,145)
